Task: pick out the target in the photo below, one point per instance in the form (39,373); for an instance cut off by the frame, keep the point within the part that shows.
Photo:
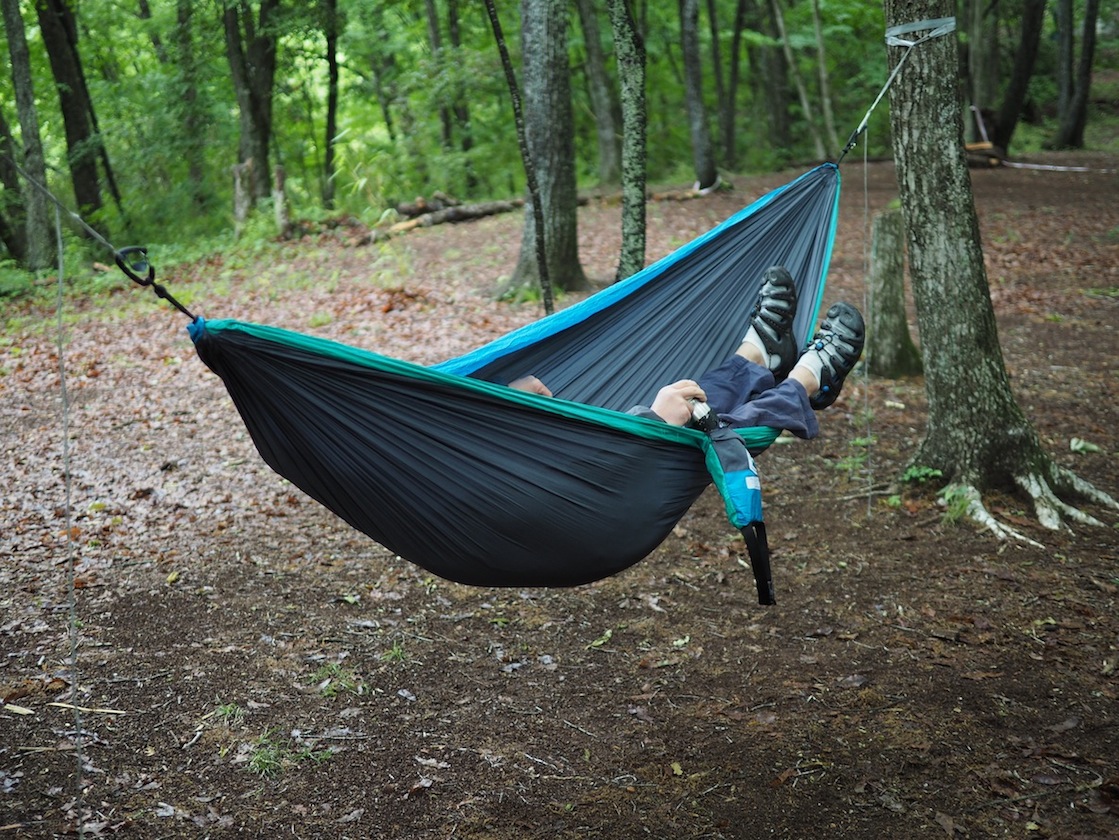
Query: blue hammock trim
(482,484)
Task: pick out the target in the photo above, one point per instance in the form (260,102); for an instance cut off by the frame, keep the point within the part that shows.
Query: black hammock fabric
(486,485)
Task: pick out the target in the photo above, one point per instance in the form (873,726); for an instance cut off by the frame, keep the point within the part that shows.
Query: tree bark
(1066,55)
(730,133)
(983,53)
(602,101)
(890,351)
(630,52)
(435,42)
(724,112)
(56,23)
(802,91)
(461,108)
(549,129)
(192,116)
(13,232)
(703,154)
(825,85)
(1033,19)
(977,435)
(251,51)
(330,30)
(1070,132)
(37,218)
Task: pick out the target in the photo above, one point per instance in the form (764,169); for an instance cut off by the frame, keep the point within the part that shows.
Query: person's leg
(813,384)
(736,381)
(784,406)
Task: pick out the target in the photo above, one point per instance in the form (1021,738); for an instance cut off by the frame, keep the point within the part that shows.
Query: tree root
(1052,511)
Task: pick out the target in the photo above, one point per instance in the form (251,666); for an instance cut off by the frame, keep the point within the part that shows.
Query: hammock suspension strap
(133,260)
(932,29)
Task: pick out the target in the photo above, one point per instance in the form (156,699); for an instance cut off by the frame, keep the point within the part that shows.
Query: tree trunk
(802,91)
(983,54)
(1066,56)
(630,52)
(1070,132)
(890,351)
(13,232)
(435,42)
(145,13)
(602,102)
(770,74)
(193,118)
(825,85)
(1033,19)
(251,50)
(37,219)
(730,134)
(550,134)
(703,154)
(977,436)
(724,113)
(384,74)
(330,29)
(56,23)
(461,108)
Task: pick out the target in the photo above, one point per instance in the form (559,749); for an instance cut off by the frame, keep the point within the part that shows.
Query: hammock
(483,484)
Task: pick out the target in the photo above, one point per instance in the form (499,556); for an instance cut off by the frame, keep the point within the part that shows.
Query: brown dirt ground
(248,666)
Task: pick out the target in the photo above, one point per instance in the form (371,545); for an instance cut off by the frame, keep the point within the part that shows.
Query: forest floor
(248,665)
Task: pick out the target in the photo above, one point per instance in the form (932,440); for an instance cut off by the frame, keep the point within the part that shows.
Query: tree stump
(890,351)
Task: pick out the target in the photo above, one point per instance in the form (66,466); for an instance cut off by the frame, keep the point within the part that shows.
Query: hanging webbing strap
(932,29)
(732,468)
(133,261)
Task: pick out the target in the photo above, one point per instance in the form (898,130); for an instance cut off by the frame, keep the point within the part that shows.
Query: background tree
(13,232)
(977,435)
(981,23)
(703,153)
(330,31)
(734,75)
(1018,88)
(551,143)
(802,90)
(600,91)
(59,32)
(36,220)
(822,74)
(189,108)
(630,51)
(250,46)
(1073,102)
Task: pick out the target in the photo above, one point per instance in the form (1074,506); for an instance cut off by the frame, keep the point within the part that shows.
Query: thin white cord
(71,581)
(868,308)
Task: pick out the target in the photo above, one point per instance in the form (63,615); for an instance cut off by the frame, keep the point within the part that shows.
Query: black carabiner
(134,262)
(134,266)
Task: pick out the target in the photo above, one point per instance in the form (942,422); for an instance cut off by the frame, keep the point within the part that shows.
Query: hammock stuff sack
(483,484)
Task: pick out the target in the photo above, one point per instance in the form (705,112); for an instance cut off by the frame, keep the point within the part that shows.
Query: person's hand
(672,403)
(532,385)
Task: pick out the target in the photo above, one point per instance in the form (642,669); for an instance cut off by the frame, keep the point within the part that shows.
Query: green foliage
(917,474)
(956,499)
(269,756)
(332,679)
(414,119)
